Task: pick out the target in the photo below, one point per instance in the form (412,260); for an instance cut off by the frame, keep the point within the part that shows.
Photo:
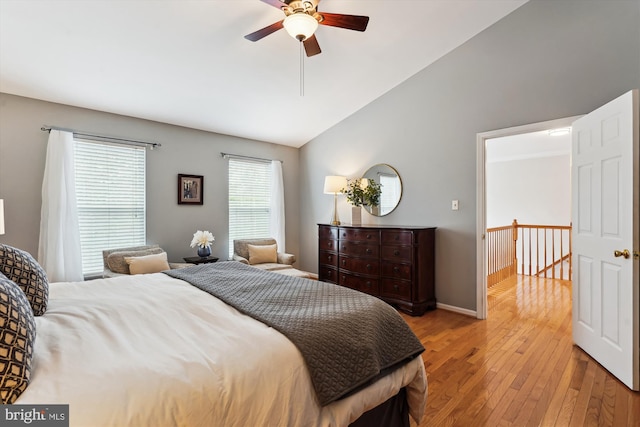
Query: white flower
(202,239)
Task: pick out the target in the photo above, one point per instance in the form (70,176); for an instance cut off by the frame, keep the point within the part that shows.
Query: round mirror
(390,188)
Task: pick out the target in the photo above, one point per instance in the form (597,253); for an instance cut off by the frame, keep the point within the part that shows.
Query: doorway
(483,141)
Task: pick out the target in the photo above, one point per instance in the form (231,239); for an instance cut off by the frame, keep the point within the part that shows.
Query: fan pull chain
(301,69)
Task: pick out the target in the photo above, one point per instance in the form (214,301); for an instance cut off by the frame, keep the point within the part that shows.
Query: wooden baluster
(545,254)
(496,259)
(561,257)
(553,254)
(537,252)
(529,251)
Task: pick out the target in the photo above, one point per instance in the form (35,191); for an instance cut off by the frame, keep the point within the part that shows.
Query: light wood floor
(519,367)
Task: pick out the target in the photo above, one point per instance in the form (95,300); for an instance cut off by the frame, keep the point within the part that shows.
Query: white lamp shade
(300,26)
(334,184)
(1,216)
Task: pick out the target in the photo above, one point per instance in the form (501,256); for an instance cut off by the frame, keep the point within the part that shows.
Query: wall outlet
(454,205)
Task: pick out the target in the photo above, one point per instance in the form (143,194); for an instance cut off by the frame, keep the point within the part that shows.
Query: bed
(156,350)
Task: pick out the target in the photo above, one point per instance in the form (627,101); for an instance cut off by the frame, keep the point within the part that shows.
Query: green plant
(362,193)
(372,193)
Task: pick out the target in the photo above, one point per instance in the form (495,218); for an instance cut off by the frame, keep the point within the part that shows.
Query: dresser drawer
(328,233)
(328,258)
(360,235)
(360,249)
(397,253)
(397,237)
(328,274)
(360,265)
(398,289)
(328,245)
(396,271)
(367,285)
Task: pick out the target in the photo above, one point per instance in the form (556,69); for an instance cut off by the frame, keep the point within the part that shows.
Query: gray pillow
(117,263)
(17,336)
(21,268)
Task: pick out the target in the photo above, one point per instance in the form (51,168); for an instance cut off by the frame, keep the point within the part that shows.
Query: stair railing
(530,250)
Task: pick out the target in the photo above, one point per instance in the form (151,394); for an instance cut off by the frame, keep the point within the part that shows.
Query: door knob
(625,253)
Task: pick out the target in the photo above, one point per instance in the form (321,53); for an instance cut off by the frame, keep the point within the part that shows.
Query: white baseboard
(455,309)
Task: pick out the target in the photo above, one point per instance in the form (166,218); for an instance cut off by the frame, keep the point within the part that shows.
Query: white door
(604,174)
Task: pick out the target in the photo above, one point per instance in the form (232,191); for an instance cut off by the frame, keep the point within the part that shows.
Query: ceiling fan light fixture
(300,25)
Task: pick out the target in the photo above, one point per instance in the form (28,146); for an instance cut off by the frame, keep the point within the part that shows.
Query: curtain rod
(103,138)
(238,156)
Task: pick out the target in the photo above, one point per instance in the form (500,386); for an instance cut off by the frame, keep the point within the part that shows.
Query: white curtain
(59,250)
(276,222)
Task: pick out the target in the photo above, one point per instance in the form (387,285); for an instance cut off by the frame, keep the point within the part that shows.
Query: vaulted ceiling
(185,62)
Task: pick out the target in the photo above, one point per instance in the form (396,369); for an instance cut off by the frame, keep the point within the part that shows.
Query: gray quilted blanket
(348,339)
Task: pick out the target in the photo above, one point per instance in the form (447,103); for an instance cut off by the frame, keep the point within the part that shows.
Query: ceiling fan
(302,19)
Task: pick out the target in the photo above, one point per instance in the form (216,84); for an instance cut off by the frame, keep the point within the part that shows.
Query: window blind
(390,193)
(249,200)
(110,191)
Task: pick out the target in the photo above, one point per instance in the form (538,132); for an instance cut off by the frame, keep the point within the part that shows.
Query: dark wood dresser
(396,264)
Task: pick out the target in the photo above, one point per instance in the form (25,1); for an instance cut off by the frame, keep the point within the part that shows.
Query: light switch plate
(454,205)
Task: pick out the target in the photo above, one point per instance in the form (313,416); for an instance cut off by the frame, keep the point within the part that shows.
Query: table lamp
(334,185)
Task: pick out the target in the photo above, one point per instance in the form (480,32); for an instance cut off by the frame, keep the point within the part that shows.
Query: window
(110,191)
(249,199)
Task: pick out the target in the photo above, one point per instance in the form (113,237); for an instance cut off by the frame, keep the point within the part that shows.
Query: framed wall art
(190,189)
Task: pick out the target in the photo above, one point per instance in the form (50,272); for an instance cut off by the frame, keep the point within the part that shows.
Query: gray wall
(544,61)
(22,158)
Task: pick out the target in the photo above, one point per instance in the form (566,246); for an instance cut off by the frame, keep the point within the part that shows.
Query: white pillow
(260,254)
(148,263)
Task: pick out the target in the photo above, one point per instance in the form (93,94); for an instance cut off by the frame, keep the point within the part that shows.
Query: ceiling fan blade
(311,46)
(257,35)
(277,3)
(350,22)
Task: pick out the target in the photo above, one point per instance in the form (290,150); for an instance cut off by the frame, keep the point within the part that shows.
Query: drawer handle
(368,251)
(369,236)
(396,287)
(396,252)
(368,284)
(344,262)
(329,244)
(368,266)
(330,257)
(396,269)
(344,279)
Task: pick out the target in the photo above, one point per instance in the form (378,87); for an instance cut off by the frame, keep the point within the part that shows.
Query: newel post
(514,227)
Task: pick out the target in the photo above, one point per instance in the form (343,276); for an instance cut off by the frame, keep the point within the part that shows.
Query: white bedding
(150,350)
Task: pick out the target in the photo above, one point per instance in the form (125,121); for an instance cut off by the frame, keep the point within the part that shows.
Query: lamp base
(335,220)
